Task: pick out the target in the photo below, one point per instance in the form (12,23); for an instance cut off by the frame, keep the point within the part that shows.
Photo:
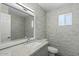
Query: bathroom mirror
(16,22)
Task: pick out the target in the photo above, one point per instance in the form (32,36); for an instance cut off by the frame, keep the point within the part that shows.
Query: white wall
(5,24)
(65,38)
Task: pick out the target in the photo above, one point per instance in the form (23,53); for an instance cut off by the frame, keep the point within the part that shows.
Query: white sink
(33,44)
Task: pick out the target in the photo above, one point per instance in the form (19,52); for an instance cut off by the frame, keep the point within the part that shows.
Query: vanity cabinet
(43,51)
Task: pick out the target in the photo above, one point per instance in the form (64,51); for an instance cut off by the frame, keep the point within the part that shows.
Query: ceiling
(50,6)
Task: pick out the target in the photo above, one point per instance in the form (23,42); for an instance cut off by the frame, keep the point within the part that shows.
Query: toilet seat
(52,50)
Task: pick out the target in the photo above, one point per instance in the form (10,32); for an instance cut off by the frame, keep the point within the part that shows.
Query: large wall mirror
(15,22)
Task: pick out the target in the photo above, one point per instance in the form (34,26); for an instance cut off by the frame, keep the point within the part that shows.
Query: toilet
(52,51)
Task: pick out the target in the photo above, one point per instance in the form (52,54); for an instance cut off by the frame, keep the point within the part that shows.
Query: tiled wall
(65,38)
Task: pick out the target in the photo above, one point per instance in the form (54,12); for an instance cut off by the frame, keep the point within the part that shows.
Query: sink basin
(33,44)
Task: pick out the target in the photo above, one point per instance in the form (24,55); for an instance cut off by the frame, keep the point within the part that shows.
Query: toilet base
(51,54)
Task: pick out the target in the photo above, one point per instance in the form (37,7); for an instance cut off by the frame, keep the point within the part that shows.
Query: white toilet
(52,51)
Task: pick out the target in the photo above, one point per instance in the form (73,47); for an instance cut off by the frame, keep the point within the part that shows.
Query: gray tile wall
(65,38)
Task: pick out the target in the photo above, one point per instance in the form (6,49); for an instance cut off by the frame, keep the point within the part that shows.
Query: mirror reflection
(14,24)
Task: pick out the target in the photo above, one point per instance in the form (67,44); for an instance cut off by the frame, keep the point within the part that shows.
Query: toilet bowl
(52,51)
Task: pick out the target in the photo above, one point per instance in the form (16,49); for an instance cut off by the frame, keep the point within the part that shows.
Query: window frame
(60,23)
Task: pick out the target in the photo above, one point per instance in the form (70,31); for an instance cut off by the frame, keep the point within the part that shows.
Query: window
(65,19)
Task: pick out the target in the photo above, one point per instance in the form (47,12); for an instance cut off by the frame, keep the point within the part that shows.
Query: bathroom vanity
(17,33)
(31,48)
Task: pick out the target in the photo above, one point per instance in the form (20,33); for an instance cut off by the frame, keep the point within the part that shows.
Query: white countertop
(11,43)
(26,49)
